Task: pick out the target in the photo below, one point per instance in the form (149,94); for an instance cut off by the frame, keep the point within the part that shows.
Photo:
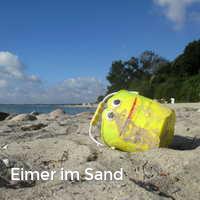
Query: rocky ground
(55,140)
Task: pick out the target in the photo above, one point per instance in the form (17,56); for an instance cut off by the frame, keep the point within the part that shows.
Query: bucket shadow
(185,143)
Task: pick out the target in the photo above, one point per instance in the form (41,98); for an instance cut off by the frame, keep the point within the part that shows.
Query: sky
(61,51)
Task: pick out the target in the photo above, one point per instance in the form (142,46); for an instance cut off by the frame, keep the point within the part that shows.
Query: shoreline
(42,108)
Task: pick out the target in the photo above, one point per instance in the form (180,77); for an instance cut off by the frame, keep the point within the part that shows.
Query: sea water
(43,108)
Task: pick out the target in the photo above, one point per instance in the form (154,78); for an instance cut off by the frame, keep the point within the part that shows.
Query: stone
(11,116)
(56,113)
(42,117)
(33,127)
(24,117)
(3,116)
(6,165)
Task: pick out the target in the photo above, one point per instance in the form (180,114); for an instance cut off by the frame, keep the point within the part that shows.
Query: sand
(54,141)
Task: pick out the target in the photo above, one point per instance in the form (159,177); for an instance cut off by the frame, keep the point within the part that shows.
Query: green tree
(117,77)
(153,76)
(188,63)
(151,62)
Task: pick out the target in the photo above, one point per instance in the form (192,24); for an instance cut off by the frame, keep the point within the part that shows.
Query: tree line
(158,78)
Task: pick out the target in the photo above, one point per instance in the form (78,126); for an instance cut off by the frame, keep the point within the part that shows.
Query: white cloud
(176,10)
(3,83)
(16,86)
(12,67)
(75,90)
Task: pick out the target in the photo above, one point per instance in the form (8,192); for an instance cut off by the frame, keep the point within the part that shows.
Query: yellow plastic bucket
(131,122)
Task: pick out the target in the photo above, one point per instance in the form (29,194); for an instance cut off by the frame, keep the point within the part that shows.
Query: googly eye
(116,102)
(110,115)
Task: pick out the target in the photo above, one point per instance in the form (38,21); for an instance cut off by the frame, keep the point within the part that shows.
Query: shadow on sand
(185,143)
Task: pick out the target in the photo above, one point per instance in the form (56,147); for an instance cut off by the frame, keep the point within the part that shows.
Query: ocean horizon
(71,109)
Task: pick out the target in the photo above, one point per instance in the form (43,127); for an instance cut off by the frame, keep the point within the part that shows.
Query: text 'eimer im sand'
(18,174)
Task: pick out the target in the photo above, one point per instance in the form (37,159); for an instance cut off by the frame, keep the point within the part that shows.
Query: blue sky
(74,42)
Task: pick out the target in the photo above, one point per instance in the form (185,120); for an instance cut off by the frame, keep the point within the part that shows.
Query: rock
(3,116)
(11,116)
(6,164)
(43,117)
(56,113)
(33,127)
(24,117)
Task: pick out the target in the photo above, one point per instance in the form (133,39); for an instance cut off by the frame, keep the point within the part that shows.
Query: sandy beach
(57,140)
